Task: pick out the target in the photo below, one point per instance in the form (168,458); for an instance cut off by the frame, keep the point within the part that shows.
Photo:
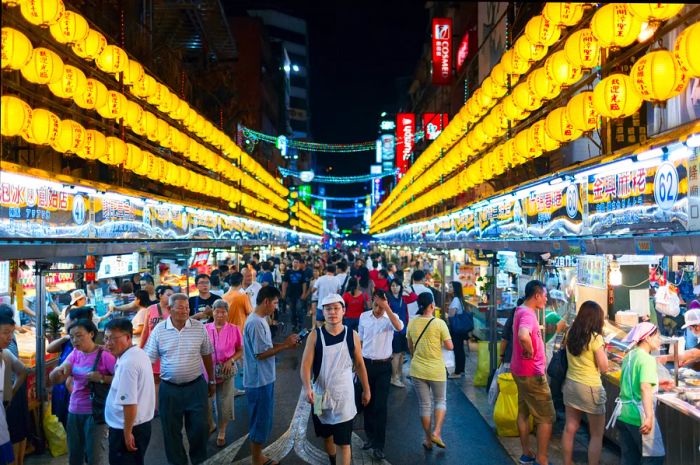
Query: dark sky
(358,50)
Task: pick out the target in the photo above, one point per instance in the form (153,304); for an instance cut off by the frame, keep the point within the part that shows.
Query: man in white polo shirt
(418,286)
(132,396)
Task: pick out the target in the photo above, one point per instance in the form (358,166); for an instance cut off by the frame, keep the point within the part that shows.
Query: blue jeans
(261,402)
(85,439)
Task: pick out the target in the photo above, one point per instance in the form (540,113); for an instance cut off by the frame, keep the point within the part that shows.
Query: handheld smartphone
(303,334)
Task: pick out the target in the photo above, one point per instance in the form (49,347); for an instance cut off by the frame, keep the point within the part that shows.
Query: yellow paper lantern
(162,130)
(94,95)
(91,46)
(112,59)
(541,86)
(72,80)
(511,112)
(614,26)
(11,2)
(528,50)
(42,13)
(133,73)
(499,75)
(134,157)
(115,154)
(16,115)
(541,31)
(16,49)
(524,99)
(144,87)
(687,50)
(70,28)
(539,141)
(474,110)
(616,97)
(147,163)
(114,107)
(95,145)
(492,126)
(44,67)
(581,112)
(134,117)
(655,12)
(499,162)
(484,100)
(563,14)
(522,146)
(71,137)
(658,76)
(560,70)
(166,100)
(582,49)
(150,125)
(157,95)
(491,89)
(43,128)
(559,127)
(518,63)
(475,143)
(500,116)
(182,111)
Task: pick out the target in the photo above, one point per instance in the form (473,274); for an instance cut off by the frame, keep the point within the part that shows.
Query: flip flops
(438,442)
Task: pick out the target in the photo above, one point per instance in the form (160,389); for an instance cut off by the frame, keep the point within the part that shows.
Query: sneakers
(455,375)
(238,392)
(527,460)
(397,383)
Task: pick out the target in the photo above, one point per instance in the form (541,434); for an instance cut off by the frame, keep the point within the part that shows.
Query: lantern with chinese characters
(539,141)
(71,137)
(70,28)
(474,110)
(162,130)
(559,127)
(144,87)
(95,145)
(475,143)
(42,13)
(484,100)
(687,50)
(182,111)
(175,104)
(524,99)
(112,60)
(492,89)
(499,163)
(157,95)
(582,49)
(492,126)
(134,157)
(43,129)
(655,12)
(44,67)
(530,51)
(522,146)
(513,63)
(150,125)
(564,13)
(134,117)
(499,75)
(133,73)
(16,49)
(91,46)
(166,100)
(94,95)
(72,80)
(560,70)
(541,86)
(115,154)
(146,166)
(658,76)
(512,155)
(16,115)
(500,116)
(581,113)
(616,97)
(114,107)
(541,31)
(511,111)
(614,26)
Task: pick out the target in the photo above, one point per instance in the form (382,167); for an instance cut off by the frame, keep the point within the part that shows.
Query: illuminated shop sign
(433,124)
(442,51)
(405,133)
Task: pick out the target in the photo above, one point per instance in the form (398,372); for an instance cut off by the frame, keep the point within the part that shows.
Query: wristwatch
(212,382)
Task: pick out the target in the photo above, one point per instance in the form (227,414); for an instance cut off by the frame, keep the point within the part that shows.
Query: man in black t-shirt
(201,305)
(294,287)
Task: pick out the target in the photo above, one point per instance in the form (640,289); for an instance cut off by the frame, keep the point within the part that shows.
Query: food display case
(677,412)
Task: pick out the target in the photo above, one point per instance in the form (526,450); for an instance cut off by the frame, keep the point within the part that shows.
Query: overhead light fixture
(693,141)
(649,154)
(615,275)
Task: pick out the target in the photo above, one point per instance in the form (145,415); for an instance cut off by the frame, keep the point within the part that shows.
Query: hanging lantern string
(338,199)
(257,136)
(338,179)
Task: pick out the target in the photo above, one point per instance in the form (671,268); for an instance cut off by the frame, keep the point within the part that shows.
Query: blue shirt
(256,340)
(266,277)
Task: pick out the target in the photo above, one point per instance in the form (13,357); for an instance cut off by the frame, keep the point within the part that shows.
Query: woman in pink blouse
(228,347)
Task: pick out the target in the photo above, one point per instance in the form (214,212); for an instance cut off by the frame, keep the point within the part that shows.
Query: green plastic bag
(55,433)
(483,365)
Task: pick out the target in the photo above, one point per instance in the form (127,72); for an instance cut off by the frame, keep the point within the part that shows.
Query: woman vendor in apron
(634,413)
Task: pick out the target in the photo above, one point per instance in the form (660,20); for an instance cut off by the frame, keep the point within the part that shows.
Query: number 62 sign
(666,186)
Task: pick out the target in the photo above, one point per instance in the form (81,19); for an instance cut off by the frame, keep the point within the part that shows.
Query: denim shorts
(261,401)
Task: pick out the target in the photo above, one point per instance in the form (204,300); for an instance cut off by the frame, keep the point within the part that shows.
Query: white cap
(692,317)
(76,295)
(331,299)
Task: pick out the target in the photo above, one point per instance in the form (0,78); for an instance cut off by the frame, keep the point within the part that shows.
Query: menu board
(592,271)
(118,265)
(556,211)
(119,216)
(502,217)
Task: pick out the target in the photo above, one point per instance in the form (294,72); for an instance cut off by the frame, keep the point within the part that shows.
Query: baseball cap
(331,299)
(77,295)
(692,317)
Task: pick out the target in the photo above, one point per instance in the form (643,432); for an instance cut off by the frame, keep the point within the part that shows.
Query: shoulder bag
(98,393)
(219,374)
(556,370)
(462,323)
(415,346)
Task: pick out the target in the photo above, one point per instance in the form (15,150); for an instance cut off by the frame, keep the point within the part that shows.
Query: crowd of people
(184,359)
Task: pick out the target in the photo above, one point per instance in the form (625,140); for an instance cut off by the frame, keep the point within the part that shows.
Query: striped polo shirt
(180,352)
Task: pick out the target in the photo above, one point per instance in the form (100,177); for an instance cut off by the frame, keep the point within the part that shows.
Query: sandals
(427,447)
(438,442)
(220,442)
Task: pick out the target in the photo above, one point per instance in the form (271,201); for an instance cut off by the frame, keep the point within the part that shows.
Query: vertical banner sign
(442,51)
(405,133)
(463,51)
(388,142)
(433,124)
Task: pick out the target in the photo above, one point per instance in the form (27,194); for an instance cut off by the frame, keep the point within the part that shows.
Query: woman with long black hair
(398,301)
(458,337)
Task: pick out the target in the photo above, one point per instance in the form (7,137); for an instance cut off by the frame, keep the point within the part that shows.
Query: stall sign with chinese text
(442,51)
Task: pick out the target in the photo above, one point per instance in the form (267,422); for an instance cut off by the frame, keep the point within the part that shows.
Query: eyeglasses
(113,338)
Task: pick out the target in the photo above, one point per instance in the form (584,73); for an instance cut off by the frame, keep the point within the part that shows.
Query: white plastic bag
(449,357)
(667,301)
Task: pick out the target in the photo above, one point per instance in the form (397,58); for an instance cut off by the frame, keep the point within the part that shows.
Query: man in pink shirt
(528,366)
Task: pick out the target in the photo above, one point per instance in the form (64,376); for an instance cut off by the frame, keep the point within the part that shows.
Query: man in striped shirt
(181,343)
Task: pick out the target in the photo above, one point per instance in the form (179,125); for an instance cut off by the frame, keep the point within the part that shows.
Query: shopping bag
(483,365)
(667,301)
(449,357)
(493,389)
(55,433)
(505,414)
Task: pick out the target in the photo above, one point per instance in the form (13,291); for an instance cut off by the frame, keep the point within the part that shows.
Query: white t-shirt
(252,292)
(132,384)
(326,285)
(457,305)
(341,279)
(413,307)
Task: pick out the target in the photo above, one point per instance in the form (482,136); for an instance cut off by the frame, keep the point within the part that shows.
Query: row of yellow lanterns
(304,226)
(66,81)
(253,206)
(41,127)
(303,212)
(562,68)
(70,28)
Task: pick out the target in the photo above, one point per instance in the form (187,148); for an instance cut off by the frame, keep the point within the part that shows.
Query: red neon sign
(463,51)
(433,124)
(442,51)
(405,133)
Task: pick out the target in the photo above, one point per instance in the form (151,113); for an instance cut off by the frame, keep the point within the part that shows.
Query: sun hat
(332,299)
(76,295)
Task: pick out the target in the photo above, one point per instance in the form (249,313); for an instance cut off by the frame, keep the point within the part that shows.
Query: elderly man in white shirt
(376,333)
(250,287)
(131,401)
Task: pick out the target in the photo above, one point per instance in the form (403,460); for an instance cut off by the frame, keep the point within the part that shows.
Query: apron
(334,392)
(653,442)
